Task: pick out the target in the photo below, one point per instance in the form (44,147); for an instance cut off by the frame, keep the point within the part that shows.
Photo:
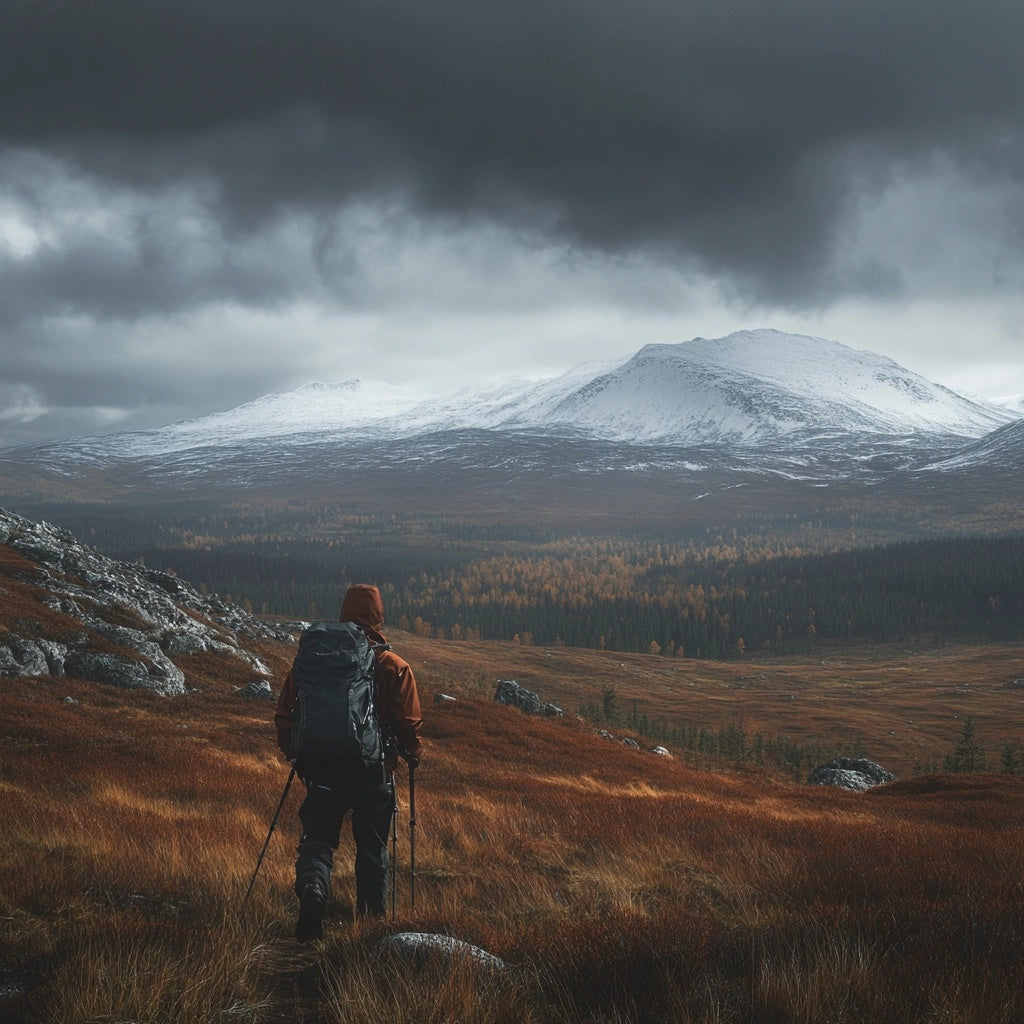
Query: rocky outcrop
(147,617)
(853,773)
(511,693)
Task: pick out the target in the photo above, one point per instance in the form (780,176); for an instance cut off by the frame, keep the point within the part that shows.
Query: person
(333,789)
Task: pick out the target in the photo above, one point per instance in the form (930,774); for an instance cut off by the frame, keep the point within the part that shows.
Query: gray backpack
(335,714)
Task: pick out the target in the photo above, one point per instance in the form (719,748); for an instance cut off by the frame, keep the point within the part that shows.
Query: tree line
(734,745)
(671,599)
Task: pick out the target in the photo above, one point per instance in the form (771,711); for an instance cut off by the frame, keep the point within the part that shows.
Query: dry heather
(905,707)
(620,886)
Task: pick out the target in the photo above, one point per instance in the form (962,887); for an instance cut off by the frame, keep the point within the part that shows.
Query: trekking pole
(273,825)
(412,837)
(394,848)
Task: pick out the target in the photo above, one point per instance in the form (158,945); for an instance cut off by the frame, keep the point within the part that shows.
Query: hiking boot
(312,904)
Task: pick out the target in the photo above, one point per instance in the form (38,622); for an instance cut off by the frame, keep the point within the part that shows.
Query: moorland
(711,886)
(619,885)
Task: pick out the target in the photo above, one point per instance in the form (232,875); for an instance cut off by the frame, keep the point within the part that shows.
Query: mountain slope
(758,384)
(1002,449)
(731,410)
(739,389)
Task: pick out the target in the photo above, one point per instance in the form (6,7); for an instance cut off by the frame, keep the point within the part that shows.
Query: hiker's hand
(412,761)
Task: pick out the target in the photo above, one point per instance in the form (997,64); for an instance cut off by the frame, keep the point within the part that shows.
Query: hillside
(619,884)
(65,609)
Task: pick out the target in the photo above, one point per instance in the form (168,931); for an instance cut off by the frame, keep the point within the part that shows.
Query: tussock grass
(621,888)
(359,985)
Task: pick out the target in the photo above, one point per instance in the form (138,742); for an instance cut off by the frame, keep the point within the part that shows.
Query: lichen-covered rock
(511,693)
(29,657)
(258,689)
(21,658)
(854,773)
(100,667)
(422,946)
(162,666)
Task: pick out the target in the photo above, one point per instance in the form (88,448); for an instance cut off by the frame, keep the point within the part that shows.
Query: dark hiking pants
(328,800)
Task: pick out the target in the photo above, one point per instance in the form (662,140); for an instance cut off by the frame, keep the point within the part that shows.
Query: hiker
(336,785)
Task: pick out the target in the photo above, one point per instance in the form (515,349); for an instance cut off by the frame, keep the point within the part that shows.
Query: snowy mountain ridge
(758,405)
(758,384)
(1015,403)
(741,389)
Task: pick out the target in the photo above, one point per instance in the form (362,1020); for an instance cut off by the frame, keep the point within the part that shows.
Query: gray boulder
(163,668)
(423,946)
(99,667)
(511,693)
(21,658)
(258,689)
(853,773)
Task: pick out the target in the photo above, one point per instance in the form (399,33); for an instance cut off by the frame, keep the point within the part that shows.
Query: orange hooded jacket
(398,700)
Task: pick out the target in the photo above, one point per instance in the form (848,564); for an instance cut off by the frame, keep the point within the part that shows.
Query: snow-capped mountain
(314,408)
(764,384)
(748,387)
(757,403)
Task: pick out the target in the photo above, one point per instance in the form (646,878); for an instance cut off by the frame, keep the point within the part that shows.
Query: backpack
(334,687)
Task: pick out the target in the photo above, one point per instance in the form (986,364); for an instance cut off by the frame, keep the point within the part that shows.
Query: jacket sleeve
(402,703)
(283,715)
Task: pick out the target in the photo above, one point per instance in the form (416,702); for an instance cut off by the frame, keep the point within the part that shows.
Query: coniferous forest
(677,593)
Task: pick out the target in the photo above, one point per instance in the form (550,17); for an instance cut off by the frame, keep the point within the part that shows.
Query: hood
(363,606)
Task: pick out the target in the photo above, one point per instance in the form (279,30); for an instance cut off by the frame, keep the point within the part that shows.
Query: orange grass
(620,886)
(905,705)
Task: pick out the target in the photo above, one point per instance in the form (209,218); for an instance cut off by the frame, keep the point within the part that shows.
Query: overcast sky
(203,201)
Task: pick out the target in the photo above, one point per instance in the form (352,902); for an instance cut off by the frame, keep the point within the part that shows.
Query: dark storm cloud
(739,134)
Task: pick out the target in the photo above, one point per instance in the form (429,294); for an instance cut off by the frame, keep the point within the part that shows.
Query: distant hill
(1003,447)
(756,409)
